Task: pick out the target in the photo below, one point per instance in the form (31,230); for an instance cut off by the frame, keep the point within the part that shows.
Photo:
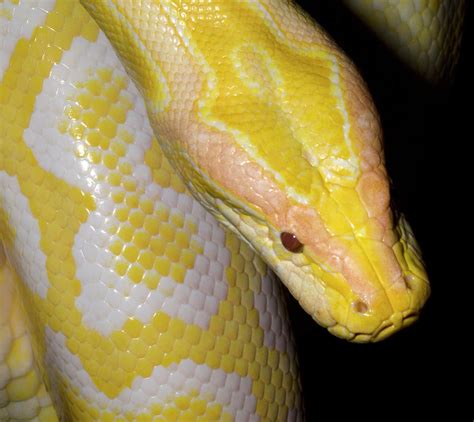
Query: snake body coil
(121,297)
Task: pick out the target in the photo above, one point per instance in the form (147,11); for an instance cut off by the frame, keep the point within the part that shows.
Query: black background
(421,371)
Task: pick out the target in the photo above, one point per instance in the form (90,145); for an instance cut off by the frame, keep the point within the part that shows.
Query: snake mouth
(396,322)
(387,328)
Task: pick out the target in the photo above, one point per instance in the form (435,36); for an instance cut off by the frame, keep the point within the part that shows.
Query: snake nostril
(360,307)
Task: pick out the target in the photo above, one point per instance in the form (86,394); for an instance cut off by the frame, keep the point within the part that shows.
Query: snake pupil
(291,242)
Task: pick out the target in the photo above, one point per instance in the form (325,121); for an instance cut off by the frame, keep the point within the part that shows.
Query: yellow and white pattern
(121,297)
(143,306)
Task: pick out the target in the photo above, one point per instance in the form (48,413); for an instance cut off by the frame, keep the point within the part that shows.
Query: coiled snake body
(121,297)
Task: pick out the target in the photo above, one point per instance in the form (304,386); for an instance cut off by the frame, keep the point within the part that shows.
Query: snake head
(311,194)
(350,260)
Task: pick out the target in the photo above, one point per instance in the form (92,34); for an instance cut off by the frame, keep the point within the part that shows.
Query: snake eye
(291,242)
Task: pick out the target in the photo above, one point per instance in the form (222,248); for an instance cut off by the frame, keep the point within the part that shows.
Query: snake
(163,164)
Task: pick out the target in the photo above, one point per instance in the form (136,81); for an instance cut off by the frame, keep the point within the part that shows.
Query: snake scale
(140,203)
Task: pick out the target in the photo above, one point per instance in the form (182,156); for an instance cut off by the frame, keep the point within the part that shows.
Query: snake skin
(143,306)
(121,296)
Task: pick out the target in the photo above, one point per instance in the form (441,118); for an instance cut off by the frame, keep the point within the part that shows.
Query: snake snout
(362,289)
(378,316)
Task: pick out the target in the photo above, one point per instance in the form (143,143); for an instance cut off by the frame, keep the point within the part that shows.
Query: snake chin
(386,328)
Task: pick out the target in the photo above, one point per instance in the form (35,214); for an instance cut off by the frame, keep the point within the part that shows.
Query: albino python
(121,298)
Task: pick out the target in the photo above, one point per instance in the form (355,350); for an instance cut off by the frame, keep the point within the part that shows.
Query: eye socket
(291,242)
